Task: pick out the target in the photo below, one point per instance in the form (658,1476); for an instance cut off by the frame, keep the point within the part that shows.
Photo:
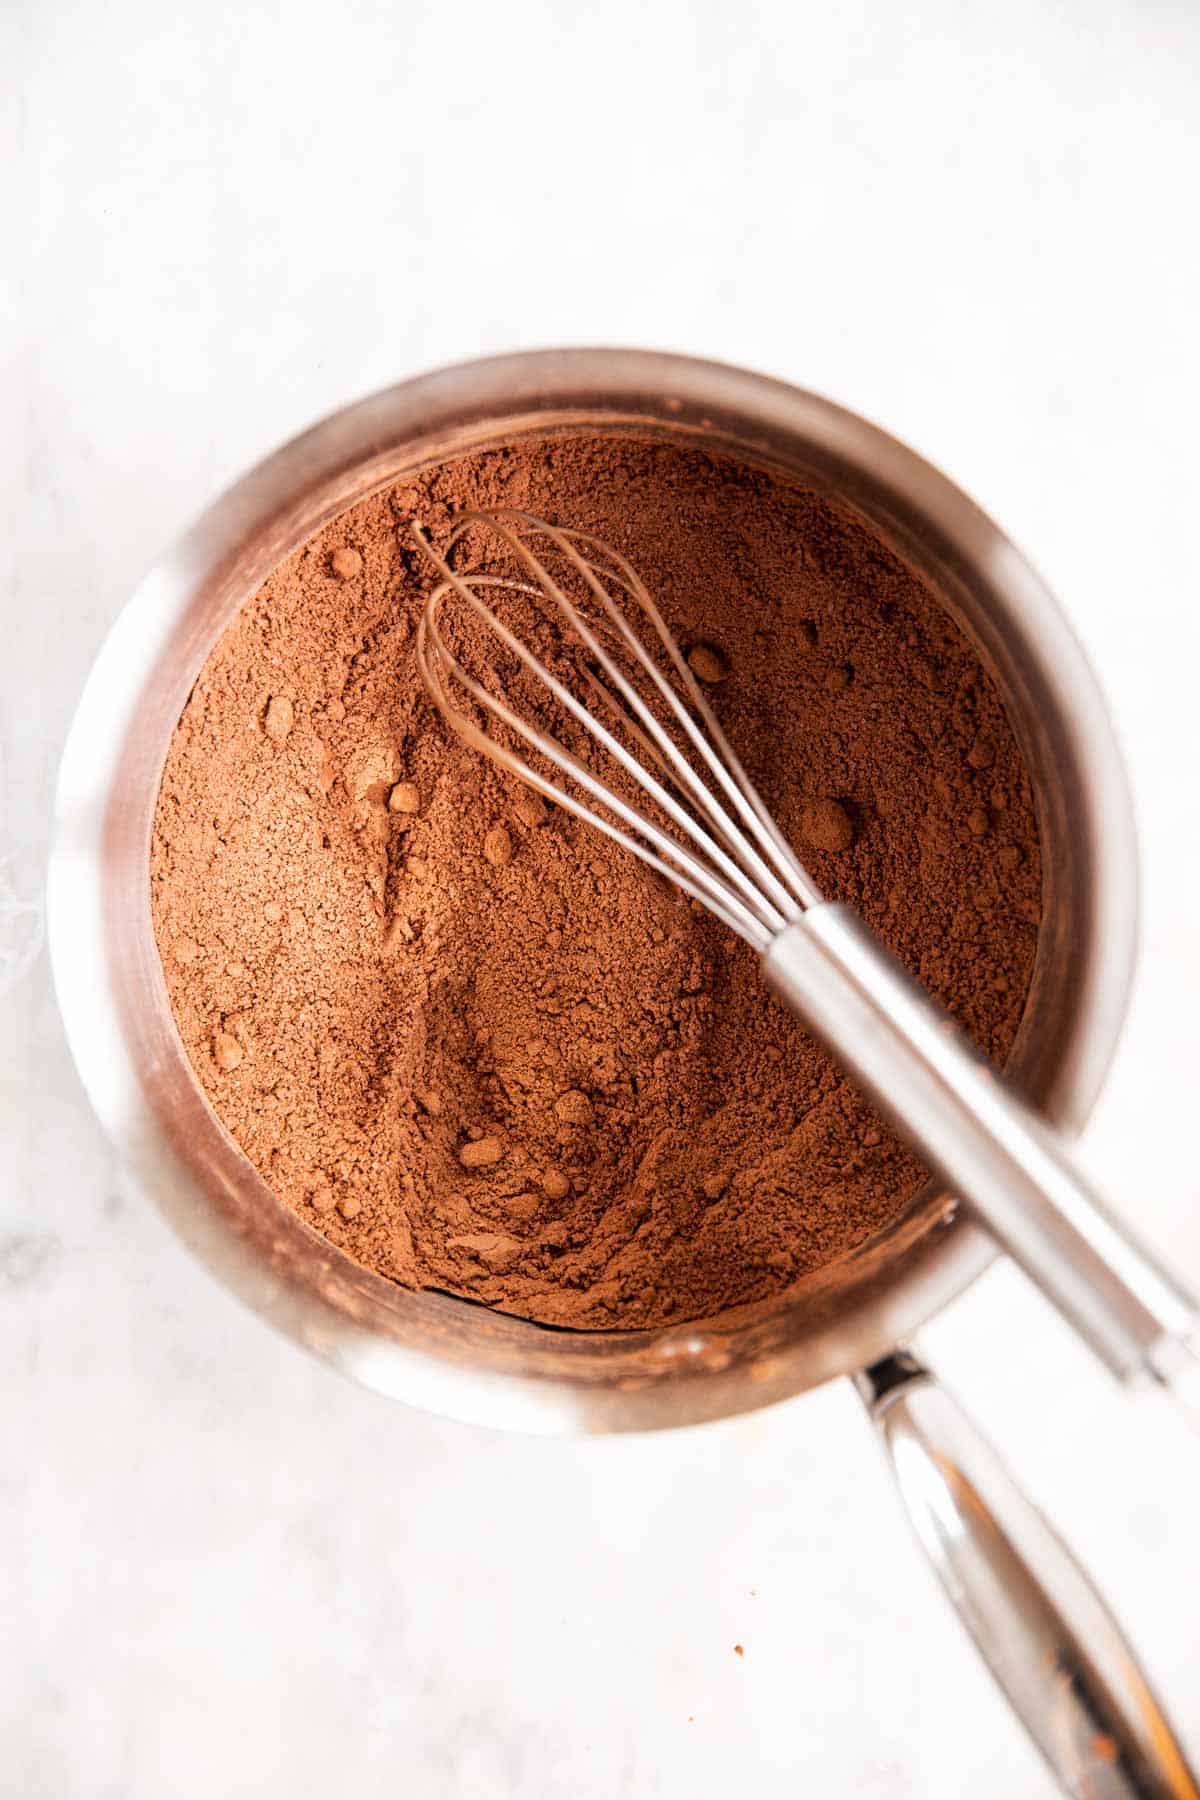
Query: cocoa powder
(477,1046)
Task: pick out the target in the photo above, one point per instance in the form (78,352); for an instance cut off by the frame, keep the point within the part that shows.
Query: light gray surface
(231,1573)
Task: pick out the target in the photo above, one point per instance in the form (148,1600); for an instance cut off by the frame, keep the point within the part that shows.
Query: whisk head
(660,776)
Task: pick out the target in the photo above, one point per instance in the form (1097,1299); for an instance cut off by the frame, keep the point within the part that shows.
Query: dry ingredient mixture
(481,1049)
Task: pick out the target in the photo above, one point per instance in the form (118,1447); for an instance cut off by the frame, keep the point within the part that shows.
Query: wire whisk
(678,797)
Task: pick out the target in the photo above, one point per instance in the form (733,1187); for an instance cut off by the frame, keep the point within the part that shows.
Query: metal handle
(1040,1625)
(987,1145)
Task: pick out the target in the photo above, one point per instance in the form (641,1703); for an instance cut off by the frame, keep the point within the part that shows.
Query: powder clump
(826,825)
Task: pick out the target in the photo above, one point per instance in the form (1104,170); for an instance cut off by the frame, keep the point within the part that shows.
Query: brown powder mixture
(481,1049)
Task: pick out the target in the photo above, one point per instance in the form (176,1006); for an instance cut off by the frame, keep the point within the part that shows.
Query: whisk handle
(989,1147)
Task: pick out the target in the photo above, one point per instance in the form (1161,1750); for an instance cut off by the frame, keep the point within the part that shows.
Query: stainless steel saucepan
(1043,1629)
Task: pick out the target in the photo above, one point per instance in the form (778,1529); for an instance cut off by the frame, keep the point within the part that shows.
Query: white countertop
(232,1573)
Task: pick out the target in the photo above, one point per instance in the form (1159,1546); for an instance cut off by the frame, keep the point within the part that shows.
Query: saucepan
(1042,1627)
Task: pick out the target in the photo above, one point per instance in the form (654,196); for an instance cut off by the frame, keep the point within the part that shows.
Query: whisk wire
(682,776)
(752,882)
(712,891)
(715,750)
(669,858)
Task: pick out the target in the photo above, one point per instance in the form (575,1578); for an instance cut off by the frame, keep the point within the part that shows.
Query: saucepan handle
(1040,1625)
